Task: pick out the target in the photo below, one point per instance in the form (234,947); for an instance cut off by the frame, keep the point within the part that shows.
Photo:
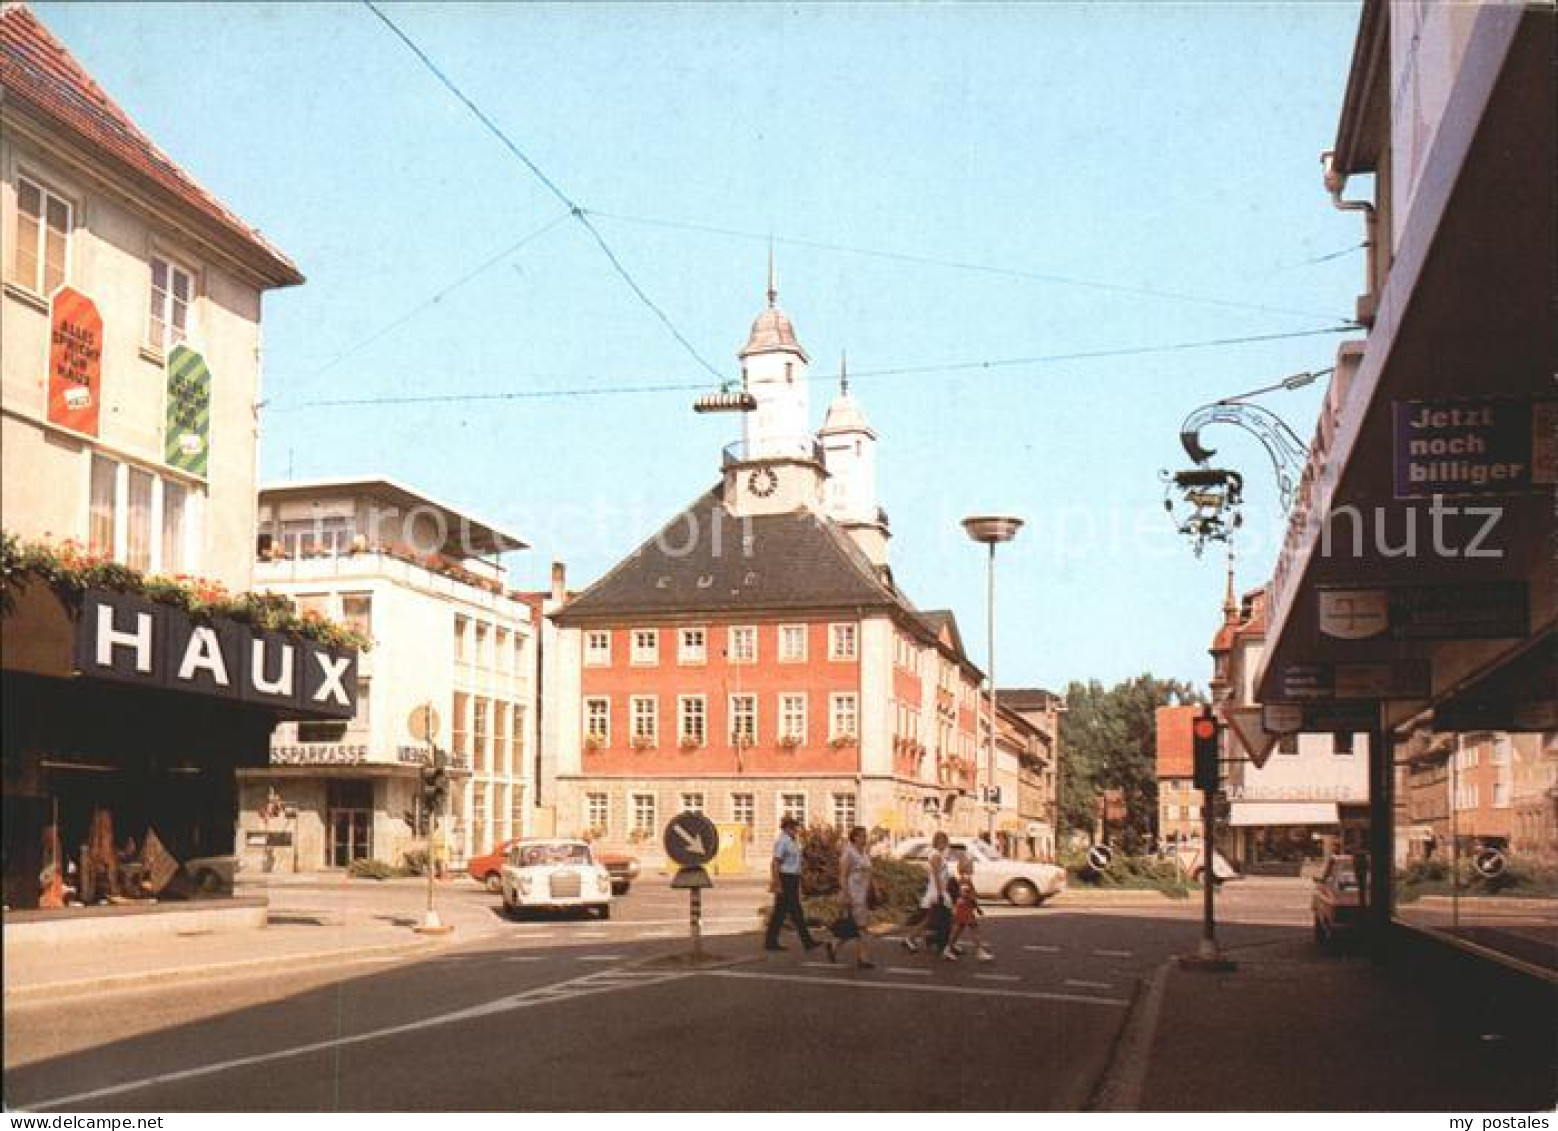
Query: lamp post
(990,529)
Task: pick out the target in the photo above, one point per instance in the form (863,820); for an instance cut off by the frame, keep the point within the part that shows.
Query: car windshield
(550,855)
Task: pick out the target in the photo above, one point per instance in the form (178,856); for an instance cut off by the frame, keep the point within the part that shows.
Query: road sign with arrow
(691,839)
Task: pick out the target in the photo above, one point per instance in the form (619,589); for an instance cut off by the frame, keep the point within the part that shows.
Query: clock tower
(776,467)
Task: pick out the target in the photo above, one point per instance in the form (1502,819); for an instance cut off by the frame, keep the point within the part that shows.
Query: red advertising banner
(75,362)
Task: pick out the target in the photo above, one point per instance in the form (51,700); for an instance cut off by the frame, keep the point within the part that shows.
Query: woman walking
(855,887)
(934,902)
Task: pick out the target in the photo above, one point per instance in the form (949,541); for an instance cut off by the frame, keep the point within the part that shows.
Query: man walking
(784,880)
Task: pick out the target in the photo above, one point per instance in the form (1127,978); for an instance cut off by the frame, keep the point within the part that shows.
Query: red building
(755,658)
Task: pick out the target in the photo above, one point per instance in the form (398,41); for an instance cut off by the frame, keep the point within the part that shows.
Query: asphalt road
(561,1013)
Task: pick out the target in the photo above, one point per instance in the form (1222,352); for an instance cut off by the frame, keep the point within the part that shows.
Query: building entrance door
(350,821)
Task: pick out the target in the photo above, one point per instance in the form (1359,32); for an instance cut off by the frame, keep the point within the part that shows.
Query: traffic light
(435,781)
(1205,731)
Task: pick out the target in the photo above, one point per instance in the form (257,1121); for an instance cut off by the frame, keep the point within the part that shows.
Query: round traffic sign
(1489,862)
(423,723)
(1099,857)
(691,839)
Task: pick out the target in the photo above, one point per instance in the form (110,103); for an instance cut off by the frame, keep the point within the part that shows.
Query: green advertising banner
(188,436)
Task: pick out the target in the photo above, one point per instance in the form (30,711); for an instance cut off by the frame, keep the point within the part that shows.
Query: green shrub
(821,846)
(369,870)
(413,862)
(1130,873)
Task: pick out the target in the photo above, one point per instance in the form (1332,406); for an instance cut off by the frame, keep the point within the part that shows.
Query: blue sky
(1152,147)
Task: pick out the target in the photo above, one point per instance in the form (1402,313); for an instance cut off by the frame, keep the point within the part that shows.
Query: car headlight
(603,881)
(523,884)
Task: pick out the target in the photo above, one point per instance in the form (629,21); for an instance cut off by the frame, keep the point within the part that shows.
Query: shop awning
(1249,814)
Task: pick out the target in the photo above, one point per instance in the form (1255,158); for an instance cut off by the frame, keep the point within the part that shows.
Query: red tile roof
(37,71)
(1176,745)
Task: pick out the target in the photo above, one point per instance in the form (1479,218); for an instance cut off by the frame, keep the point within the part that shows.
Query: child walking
(965,915)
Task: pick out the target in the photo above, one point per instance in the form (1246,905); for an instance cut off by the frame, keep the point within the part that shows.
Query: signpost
(692,840)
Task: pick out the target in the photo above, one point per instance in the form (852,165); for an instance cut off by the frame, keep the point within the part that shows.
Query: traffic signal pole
(1208,737)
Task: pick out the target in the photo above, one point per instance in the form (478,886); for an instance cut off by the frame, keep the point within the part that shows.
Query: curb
(110,983)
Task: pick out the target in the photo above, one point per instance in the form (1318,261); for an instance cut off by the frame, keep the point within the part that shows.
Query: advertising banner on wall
(75,361)
(1490,446)
(188,429)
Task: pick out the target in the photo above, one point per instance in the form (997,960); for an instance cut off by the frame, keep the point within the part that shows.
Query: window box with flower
(691,742)
(840,741)
(644,742)
(790,741)
(594,742)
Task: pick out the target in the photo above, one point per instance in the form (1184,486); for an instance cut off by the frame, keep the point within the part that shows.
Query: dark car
(1338,897)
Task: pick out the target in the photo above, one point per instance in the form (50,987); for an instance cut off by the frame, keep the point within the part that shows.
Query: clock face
(763,482)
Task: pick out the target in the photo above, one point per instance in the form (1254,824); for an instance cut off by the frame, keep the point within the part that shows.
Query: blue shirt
(788,853)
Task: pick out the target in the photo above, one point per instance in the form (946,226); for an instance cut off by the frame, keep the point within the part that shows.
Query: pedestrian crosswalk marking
(1089,985)
(919,987)
(600,958)
(908,970)
(998,977)
(1042,949)
(1112,953)
(603,982)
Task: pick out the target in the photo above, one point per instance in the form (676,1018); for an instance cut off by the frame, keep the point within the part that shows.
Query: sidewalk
(1300,1030)
(312,920)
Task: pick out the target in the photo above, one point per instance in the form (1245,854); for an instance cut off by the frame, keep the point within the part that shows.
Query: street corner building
(451,644)
(1414,600)
(139,671)
(755,658)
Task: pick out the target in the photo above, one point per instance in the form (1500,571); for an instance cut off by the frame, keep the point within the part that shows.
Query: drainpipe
(1336,184)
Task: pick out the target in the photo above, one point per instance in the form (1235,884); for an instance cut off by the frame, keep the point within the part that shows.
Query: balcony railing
(775,447)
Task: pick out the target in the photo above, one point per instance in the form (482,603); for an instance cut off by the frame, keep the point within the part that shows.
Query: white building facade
(423,582)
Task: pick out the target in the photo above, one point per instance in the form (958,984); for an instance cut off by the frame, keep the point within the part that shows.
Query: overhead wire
(579,391)
(574,209)
(957,265)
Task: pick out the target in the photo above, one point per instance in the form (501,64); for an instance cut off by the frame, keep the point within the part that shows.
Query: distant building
(755,657)
(1477,790)
(423,580)
(1035,741)
(1310,795)
(1179,802)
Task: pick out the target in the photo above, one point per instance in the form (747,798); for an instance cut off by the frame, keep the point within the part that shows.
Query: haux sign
(129,639)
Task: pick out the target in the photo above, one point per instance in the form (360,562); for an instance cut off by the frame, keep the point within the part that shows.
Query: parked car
(1337,901)
(1022,883)
(488,870)
(213,875)
(555,874)
(623,868)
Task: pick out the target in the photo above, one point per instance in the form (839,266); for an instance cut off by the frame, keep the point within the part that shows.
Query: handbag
(844,927)
(873,896)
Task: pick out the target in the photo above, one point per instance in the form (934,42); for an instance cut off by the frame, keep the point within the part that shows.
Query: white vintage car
(1023,883)
(555,874)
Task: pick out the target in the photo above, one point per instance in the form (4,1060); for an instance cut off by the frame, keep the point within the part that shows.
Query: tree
(1108,740)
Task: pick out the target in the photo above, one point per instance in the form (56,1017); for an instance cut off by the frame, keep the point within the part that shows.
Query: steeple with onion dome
(776,466)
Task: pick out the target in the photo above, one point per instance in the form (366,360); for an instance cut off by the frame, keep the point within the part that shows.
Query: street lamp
(990,529)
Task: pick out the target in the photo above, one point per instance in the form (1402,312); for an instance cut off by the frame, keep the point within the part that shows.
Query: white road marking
(999,977)
(522,958)
(1042,949)
(822,965)
(914,987)
(909,970)
(1089,985)
(603,982)
(1112,953)
(600,958)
